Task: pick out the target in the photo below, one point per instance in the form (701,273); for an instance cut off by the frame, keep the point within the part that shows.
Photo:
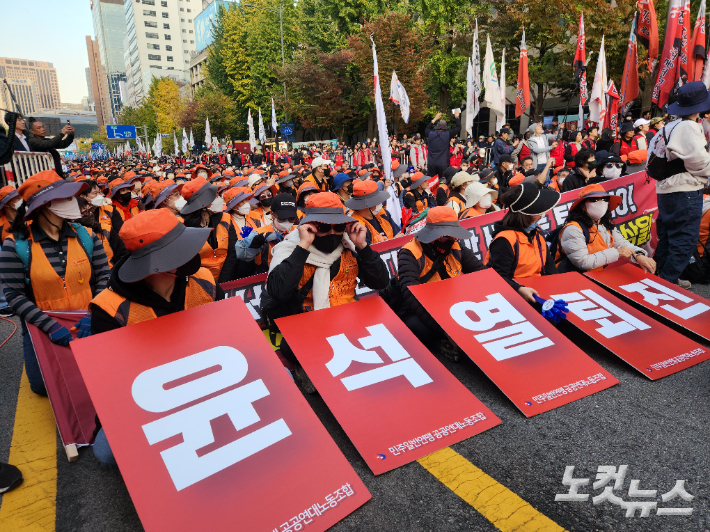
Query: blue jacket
(501,147)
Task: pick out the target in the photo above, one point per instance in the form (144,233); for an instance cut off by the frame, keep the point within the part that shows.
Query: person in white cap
(320,173)
(641,127)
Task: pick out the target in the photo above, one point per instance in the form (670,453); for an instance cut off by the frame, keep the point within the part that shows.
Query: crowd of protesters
(138,238)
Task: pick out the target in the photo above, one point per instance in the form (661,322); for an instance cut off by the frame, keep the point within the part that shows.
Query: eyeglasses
(265,195)
(613,165)
(292,220)
(325,228)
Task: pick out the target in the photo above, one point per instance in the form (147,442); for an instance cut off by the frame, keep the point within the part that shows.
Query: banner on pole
(680,306)
(635,338)
(363,358)
(531,362)
(215,424)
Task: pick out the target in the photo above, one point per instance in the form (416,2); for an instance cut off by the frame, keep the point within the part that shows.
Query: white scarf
(322,262)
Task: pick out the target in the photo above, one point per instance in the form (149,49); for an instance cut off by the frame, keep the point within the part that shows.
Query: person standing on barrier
(439,136)
(38,142)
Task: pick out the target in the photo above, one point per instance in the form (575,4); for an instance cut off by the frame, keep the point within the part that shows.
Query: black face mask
(349,189)
(123,198)
(190,267)
(441,248)
(327,243)
(266,202)
(326,172)
(89,221)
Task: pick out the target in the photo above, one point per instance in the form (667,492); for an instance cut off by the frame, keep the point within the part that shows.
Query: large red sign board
(393,398)
(532,363)
(680,306)
(647,345)
(209,430)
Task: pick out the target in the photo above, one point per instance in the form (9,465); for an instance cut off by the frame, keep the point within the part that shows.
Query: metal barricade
(24,164)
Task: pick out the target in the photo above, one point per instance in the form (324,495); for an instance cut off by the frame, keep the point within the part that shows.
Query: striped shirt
(19,295)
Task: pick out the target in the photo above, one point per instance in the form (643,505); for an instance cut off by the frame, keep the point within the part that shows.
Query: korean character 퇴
(331,501)
(574,484)
(677,491)
(304,517)
(348,490)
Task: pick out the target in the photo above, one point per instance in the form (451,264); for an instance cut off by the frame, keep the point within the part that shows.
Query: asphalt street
(659,429)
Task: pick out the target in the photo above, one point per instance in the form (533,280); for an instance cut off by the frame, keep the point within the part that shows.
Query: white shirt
(23,140)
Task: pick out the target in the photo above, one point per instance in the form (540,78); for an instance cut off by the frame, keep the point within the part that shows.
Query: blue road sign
(121,132)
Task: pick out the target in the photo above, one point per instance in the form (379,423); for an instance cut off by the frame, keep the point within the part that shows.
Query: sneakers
(6,312)
(10,477)
(304,380)
(684,284)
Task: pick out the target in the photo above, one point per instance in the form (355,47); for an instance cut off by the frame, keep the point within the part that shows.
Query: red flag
(612,104)
(697,47)
(684,64)
(647,31)
(522,94)
(630,77)
(669,59)
(580,58)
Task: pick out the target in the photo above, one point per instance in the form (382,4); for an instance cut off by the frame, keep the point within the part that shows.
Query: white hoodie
(687,142)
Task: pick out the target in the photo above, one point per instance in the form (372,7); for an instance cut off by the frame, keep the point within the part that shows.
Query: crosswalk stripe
(506,510)
(32,506)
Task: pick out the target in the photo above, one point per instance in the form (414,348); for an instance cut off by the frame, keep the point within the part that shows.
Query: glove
(60,335)
(83,327)
(553,309)
(245,231)
(258,241)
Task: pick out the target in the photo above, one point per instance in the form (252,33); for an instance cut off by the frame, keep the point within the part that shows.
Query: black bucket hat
(534,201)
(693,98)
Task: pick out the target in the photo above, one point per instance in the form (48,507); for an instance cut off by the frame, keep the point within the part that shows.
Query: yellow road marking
(506,510)
(32,506)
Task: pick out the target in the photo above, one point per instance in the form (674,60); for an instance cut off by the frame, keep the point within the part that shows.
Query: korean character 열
(677,491)
(574,484)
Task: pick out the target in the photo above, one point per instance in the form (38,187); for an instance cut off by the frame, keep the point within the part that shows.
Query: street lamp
(283,57)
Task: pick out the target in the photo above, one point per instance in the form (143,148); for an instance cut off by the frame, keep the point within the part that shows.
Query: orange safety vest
(51,292)
(322,185)
(5,228)
(374,234)
(471,212)
(452,262)
(213,259)
(200,290)
(461,204)
(265,255)
(595,245)
(248,222)
(422,204)
(342,286)
(530,256)
(258,216)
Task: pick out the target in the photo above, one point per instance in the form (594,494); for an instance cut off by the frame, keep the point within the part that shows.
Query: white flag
(139,145)
(502,92)
(469,98)
(262,132)
(473,104)
(215,144)
(490,83)
(250,123)
(192,140)
(184,141)
(176,147)
(208,134)
(597,100)
(393,201)
(128,147)
(274,123)
(399,96)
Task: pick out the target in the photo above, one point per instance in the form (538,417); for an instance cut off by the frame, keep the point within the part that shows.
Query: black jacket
(233,268)
(51,146)
(574,181)
(439,143)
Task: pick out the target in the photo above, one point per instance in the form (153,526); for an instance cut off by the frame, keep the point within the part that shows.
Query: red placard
(393,398)
(648,346)
(209,430)
(532,363)
(681,306)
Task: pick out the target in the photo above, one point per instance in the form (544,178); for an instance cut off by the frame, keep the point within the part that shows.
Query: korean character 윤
(677,491)
(574,484)
(348,490)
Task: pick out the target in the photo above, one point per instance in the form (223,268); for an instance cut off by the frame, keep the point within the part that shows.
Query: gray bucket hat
(200,199)
(442,221)
(164,195)
(329,210)
(365,197)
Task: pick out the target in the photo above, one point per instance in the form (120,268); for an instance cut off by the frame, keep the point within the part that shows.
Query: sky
(54,31)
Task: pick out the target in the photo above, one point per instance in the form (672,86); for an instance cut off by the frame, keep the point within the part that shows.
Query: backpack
(22,248)
(553,241)
(698,269)
(658,167)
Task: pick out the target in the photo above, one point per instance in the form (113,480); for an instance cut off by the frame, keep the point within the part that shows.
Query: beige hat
(476,191)
(319,161)
(461,178)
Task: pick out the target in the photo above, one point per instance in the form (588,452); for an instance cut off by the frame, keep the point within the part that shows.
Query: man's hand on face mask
(358,234)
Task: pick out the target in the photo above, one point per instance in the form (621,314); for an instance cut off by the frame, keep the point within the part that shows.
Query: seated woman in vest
(237,199)
(518,248)
(204,209)
(417,196)
(435,253)
(459,183)
(123,202)
(113,246)
(318,266)
(479,200)
(160,275)
(258,245)
(589,241)
(366,205)
(51,264)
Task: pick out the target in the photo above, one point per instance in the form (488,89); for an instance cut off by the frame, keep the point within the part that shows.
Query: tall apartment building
(24,93)
(43,76)
(160,40)
(110,31)
(99,84)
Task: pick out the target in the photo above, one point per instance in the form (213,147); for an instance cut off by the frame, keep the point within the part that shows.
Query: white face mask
(611,173)
(494,181)
(98,201)
(485,202)
(134,195)
(202,174)
(216,206)
(376,210)
(17,204)
(283,227)
(66,208)
(561,180)
(179,203)
(597,209)
(244,209)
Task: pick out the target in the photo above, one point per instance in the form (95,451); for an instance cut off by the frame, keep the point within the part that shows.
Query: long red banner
(634,218)
(634,337)
(532,363)
(393,398)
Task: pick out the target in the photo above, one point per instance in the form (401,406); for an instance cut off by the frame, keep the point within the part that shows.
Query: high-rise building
(89,87)
(43,75)
(99,84)
(110,31)
(204,22)
(160,40)
(24,93)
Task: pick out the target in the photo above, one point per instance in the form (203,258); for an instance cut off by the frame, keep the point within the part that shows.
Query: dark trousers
(678,229)
(436,170)
(34,375)
(426,335)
